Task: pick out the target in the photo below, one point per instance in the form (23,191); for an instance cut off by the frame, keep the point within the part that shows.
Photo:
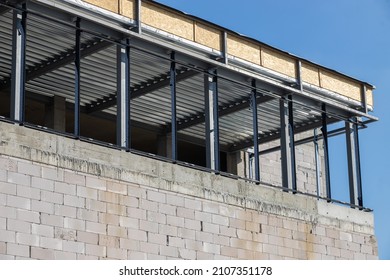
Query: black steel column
(255,130)
(123,98)
(292,143)
(212,120)
(324,130)
(18,63)
(285,147)
(77,81)
(317,160)
(355,187)
(173,106)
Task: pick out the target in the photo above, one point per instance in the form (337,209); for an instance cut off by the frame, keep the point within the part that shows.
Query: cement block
(65,188)
(96,183)
(138,234)
(27,192)
(7,212)
(74,178)
(115,253)
(96,227)
(74,201)
(60,255)
(50,243)
(74,224)
(7,188)
(18,250)
(95,250)
(66,211)
(57,198)
(18,202)
(18,226)
(87,192)
(7,236)
(42,230)
(73,246)
(42,254)
(28,168)
(43,184)
(19,179)
(87,237)
(52,220)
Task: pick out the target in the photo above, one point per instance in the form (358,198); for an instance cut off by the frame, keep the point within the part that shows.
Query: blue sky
(350,36)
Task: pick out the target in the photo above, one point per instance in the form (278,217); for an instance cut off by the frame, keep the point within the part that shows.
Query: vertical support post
(317,159)
(77,58)
(18,64)
(287,144)
(172,84)
(292,143)
(255,131)
(123,98)
(212,120)
(324,130)
(224,47)
(364,98)
(299,75)
(355,187)
(138,8)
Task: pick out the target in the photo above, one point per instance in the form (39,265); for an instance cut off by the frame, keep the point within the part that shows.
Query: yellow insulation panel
(310,74)
(208,36)
(278,62)
(342,85)
(127,8)
(369,97)
(111,5)
(243,49)
(167,21)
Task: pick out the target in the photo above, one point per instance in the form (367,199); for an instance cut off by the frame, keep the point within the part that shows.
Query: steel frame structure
(184,63)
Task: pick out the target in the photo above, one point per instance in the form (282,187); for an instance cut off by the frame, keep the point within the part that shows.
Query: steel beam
(212,120)
(123,100)
(292,142)
(225,48)
(255,131)
(287,145)
(355,185)
(299,75)
(364,99)
(142,89)
(18,64)
(224,110)
(324,130)
(138,8)
(77,58)
(172,85)
(318,162)
(60,60)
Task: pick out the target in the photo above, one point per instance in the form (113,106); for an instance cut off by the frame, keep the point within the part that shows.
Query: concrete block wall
(65,199)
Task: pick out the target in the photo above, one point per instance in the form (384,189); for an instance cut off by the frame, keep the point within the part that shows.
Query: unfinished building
(130,130)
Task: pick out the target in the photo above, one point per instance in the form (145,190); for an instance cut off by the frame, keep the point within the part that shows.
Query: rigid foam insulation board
(243,49)
(208,36)
(278,62)
(204,34)
(337,83)
(111,5)
(127,8)
(167,21)
(369,97)
(310,74)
